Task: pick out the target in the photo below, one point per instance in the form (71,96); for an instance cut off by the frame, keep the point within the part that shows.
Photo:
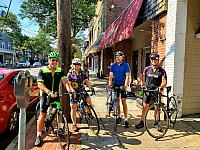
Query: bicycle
(159,116)
(57,121)
(171,107)
(112,104)
(86,111)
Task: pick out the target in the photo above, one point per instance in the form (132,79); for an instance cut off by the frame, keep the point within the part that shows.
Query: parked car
(2,65)
(23,64)
(9,113)
(37,64)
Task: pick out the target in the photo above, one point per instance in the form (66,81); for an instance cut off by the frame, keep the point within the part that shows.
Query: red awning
(122,27)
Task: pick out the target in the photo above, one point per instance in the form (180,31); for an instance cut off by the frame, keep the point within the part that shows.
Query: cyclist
(154,76)
(77,79)
(119,76)
(48,83)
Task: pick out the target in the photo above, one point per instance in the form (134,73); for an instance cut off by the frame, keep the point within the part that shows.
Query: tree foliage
(12,27)
(44,12)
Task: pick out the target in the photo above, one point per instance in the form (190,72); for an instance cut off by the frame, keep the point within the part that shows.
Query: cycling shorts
(43,103)
(121,92)
(148,97)
(74,100)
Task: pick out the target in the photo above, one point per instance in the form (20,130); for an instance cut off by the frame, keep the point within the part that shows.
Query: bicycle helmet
(154,56)
(76,61)
(119,54)
(54,55)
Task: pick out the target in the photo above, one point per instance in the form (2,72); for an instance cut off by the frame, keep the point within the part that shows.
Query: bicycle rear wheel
(91,119)
(62,131)
(173,111)
(155,121)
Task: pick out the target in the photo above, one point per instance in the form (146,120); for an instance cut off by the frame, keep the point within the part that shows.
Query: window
(3,45)
(9,46)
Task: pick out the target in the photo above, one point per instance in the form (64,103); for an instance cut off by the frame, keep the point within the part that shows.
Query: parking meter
(22,87)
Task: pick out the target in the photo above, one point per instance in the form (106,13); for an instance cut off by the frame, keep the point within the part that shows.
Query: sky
(29,27)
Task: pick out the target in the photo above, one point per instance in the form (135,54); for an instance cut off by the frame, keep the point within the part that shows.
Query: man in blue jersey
(119,76)
(154,77)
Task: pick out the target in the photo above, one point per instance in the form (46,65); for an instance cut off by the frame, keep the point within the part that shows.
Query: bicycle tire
(156,129)
(115,115)
(37,112)
(92,119)
(173,111)
(62,131)
(108,105)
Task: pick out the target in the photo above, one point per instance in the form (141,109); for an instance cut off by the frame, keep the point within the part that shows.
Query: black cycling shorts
(148,97)
(43,103)
(74,101)
(121,92)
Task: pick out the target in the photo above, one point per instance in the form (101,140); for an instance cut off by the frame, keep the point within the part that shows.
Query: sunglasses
(154,58)
(56,60)
(76,64)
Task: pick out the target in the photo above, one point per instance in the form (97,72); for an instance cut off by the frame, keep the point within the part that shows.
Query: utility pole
(64,46)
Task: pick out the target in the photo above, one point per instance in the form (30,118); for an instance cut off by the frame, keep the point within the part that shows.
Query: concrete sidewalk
(185,135)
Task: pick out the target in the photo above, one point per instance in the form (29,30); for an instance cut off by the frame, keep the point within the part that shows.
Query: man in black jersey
(154,77)
(48,80)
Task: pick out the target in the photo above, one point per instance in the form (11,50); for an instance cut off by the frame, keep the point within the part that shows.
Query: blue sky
(29,27)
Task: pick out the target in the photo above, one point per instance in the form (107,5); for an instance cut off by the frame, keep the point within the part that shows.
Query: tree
(12,26)
(44,13)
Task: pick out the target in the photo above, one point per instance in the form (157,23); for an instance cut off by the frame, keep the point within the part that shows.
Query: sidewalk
(185,135)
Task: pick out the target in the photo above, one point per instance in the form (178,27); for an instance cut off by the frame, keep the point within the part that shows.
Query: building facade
(6,50)
(171,28)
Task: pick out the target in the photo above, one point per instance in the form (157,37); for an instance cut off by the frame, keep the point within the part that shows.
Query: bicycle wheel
(172,110)
(91,119)
(37,112)
(115,115)
(108,105)
(155,122)
(62,131)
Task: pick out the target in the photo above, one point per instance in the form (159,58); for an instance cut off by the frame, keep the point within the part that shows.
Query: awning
(122,27)
(94,47)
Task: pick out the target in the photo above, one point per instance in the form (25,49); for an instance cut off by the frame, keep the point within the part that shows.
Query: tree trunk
(64,45)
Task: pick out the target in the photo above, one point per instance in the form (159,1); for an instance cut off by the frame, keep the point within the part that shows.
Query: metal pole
(22,129)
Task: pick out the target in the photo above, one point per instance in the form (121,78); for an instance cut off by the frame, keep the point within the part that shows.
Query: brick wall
(112,14)
(107,59)
(159,35)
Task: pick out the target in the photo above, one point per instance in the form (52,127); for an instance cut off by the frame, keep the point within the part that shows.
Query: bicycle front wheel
(108,105)
(91,119)
(156,121)
(63,131)
(173,111)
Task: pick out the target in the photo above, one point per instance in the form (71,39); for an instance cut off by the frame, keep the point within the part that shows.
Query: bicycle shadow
(182,129)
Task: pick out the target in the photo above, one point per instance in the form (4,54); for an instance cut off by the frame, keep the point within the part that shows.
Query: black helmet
(154,56)
(119,54)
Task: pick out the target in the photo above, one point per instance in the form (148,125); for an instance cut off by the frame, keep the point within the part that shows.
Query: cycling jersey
(50,81)
(153,79)
(119,72)
(76,79)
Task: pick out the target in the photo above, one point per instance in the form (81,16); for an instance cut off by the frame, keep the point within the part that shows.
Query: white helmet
(76,61)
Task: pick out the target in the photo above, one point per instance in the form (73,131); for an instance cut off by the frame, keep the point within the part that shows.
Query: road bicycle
(112,105)
(86,111)
(57,121)
(159,116)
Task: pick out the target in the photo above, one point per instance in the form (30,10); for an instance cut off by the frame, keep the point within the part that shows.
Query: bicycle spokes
(156,121)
